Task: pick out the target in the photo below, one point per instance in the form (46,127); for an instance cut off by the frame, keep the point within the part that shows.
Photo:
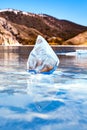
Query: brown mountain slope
(29,25)
(80,39)
(6,33)
(26,35)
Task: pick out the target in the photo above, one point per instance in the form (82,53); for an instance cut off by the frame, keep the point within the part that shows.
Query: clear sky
(72,10)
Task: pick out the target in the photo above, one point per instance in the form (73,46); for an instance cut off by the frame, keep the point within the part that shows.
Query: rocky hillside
(80,39)
(7,32)
(22,27)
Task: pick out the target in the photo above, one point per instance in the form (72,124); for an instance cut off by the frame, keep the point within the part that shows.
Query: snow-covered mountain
(13,10)
(17,12)
(25,26)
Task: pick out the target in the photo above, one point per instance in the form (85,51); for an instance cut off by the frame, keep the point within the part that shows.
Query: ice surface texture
(42,58)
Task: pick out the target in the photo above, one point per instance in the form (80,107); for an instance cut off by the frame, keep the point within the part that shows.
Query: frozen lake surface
(43,102)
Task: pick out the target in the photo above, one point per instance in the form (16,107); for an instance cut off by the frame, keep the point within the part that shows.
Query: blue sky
(72,10)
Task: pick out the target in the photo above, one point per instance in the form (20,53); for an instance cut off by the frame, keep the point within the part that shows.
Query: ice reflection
(9,57)
(43,90)
(74,60)
(57,101)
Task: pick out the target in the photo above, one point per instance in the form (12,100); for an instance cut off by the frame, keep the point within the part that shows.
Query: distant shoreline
(63,45)
(26,49)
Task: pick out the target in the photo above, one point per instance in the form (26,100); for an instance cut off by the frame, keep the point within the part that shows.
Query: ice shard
(42,59)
